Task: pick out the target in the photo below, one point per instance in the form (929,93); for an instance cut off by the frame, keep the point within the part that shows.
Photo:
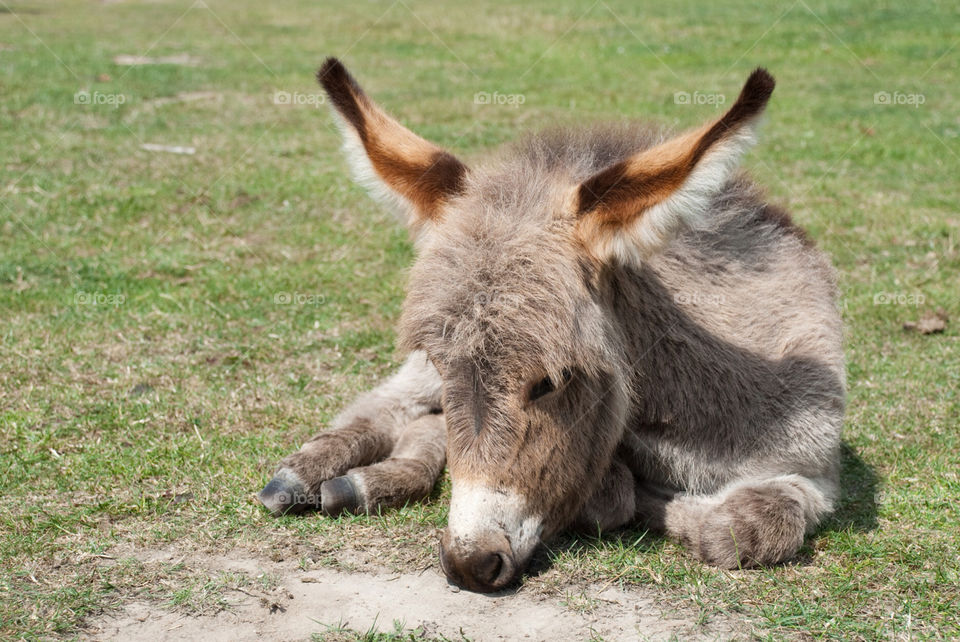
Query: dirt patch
(296,604)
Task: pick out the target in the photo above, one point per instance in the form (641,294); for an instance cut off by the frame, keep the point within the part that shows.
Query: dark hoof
(340,494)
(286,494)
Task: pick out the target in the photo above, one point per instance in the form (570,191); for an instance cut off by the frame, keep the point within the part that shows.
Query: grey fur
(707,390)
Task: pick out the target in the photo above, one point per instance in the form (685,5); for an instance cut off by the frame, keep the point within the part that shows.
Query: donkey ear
(632,208)
(394,163)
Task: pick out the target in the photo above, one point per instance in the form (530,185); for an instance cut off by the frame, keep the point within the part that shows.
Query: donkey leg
(407,475)
(612,505)
(364,433)
(750,522)
(621,499)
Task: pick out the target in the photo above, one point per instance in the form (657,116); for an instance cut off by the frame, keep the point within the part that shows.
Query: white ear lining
(366,176)
(687,206)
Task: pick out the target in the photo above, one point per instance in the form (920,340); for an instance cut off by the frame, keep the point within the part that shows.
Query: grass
(151,375)
(342,633)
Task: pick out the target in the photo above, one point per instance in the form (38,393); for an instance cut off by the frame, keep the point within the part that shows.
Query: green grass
(342,633)
(148,419)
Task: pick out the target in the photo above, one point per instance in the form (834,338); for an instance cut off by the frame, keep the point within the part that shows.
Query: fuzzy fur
(707,388)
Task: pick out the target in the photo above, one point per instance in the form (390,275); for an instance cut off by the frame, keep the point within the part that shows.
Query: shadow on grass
(856,512)
(857,509)
(624,543)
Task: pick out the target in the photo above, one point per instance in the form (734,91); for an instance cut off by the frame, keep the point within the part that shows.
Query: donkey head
(510,299)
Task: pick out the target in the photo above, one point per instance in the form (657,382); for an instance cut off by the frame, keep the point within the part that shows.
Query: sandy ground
(317,601)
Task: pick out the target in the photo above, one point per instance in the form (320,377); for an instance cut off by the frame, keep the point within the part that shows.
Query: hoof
(340,494)
(286,494)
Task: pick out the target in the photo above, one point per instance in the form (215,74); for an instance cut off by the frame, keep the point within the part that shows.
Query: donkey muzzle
(484,564)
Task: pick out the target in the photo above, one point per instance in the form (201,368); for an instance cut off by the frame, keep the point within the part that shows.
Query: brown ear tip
(331,72)
(760,84)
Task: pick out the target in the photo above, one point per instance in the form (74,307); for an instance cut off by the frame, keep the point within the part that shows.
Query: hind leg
(407,475)
(365,433)
(760,521)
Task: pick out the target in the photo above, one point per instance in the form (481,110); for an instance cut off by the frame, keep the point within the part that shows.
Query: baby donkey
(604,327)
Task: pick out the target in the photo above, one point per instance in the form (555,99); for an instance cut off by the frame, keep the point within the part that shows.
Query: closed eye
(543,387)
(546,385)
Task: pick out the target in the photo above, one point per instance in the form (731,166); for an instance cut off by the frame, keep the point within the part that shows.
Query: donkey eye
(546,385)
(543,387)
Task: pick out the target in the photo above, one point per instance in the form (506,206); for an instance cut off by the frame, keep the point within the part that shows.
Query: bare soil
(297,604)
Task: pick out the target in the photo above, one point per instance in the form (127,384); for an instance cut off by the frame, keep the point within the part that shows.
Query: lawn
(174,323)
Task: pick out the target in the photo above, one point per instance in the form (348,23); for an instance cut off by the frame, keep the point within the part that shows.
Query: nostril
(506,571)
(488,568)
(480,570)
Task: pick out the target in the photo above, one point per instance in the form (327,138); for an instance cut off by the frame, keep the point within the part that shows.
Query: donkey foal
(604,327)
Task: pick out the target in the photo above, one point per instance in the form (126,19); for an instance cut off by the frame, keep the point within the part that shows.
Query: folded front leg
(365,433)
(408,474)
(612,505)
(621,500)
